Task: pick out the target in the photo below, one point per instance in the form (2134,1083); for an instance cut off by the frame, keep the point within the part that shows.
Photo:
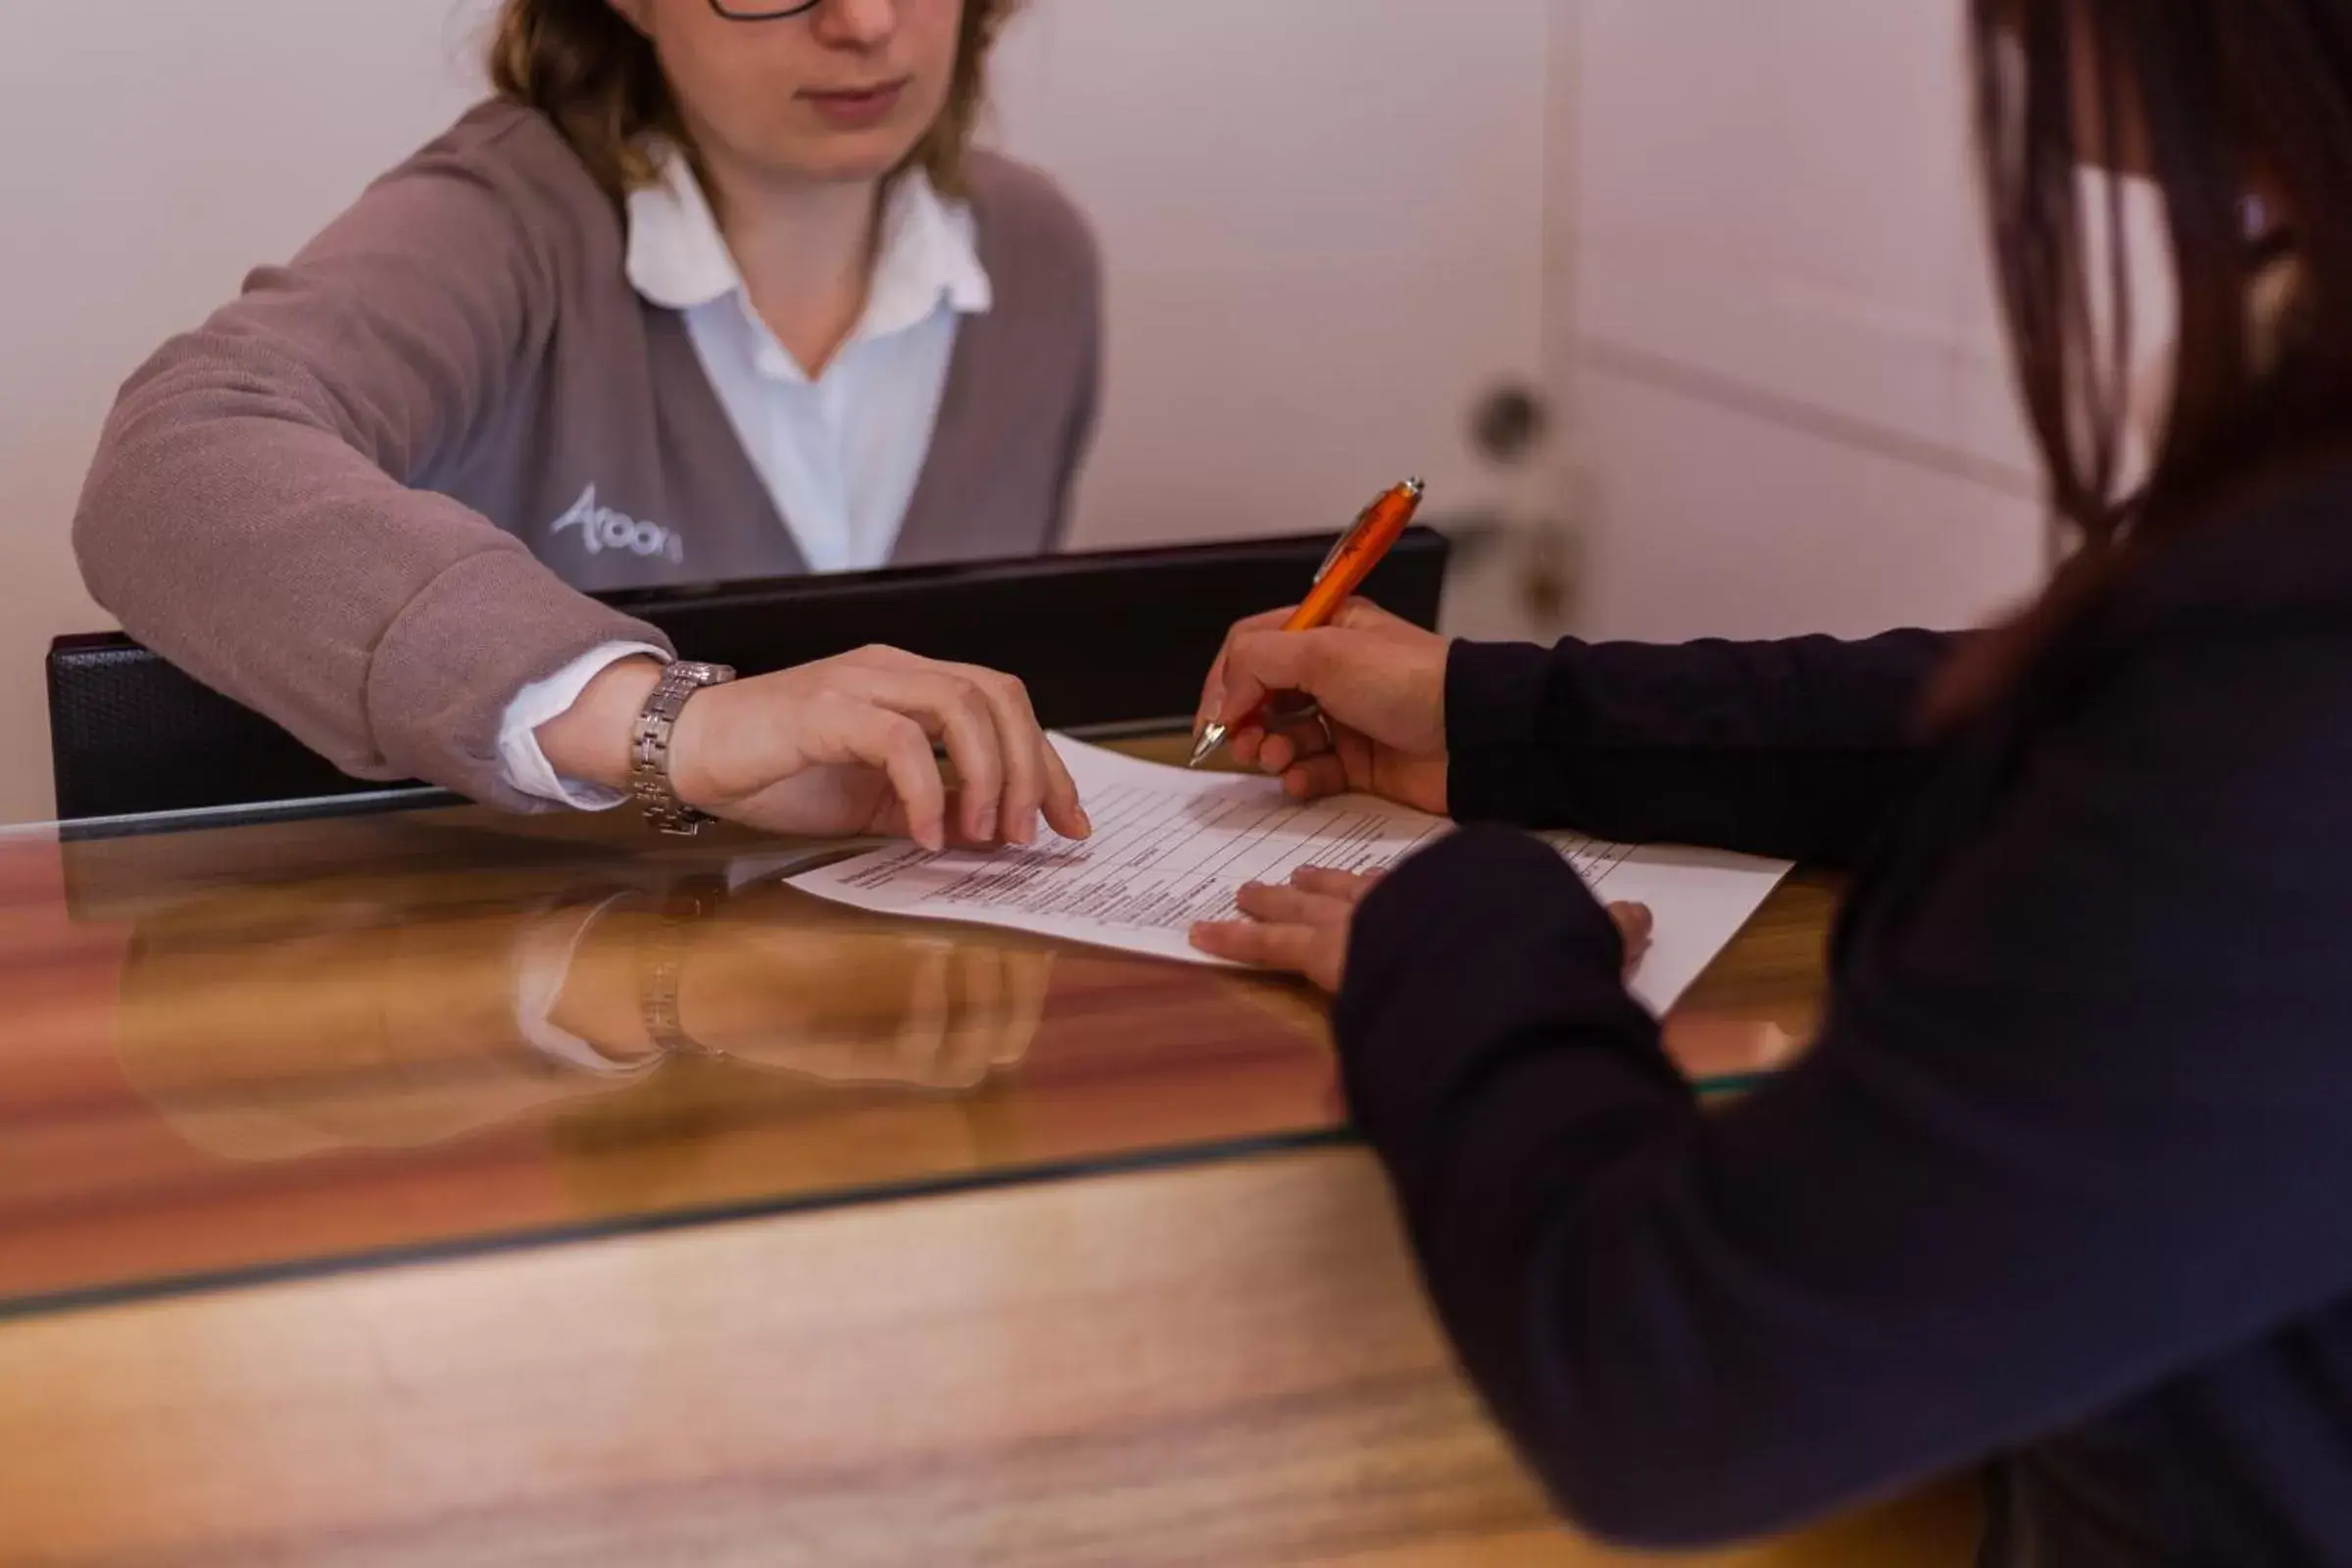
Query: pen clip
(1354,529)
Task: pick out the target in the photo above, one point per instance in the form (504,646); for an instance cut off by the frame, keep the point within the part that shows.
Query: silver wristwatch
(649,748)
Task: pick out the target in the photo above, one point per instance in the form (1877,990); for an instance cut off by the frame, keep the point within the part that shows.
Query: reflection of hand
(271,1023)
(841,747)
(851,1003)
(1381,685)
(784,982)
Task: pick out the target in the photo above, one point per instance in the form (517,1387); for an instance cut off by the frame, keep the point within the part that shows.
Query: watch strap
(656,723)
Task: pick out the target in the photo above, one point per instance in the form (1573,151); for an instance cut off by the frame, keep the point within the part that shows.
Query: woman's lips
(856,108)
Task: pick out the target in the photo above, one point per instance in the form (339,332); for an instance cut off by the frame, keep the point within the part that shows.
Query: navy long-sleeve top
(2066,1185)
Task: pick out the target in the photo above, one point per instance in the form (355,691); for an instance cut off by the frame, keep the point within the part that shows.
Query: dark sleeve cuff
(1499,768)
(1487,945)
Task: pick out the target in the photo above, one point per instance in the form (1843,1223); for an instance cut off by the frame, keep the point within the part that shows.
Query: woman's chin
(845,158)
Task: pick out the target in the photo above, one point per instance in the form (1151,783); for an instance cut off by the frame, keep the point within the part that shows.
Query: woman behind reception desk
(712,290)
(2061,1188)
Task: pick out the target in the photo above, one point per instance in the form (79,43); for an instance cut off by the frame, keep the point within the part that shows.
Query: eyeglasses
(763,10)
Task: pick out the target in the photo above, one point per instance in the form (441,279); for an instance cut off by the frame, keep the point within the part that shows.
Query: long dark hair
(2221,104)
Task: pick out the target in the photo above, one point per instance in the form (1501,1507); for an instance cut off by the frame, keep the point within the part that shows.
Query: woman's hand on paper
(844,747)
(1303,928)
(1299,928)
(1380,683)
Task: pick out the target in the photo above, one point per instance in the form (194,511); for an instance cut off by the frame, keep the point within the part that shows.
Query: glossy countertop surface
(236,1051)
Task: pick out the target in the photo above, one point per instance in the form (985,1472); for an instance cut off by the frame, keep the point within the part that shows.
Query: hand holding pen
(1360,550)
(1374,685)
(1375,724)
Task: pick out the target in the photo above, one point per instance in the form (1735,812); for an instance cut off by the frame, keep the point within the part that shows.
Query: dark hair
(2215,101)
(580,63)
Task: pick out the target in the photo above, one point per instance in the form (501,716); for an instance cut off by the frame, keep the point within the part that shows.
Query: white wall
(1323,239)
(157,150)
(1324,228)
(1786,369)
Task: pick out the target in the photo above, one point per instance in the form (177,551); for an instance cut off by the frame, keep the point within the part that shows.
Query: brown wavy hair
(580,63)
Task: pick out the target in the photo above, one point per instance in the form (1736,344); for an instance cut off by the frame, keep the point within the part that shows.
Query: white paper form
(1172,847)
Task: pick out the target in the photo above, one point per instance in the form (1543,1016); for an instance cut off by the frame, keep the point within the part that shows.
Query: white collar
(678,259)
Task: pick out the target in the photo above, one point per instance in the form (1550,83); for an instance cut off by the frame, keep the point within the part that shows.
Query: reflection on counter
(274,1024)
(453,1041)
(290,1045)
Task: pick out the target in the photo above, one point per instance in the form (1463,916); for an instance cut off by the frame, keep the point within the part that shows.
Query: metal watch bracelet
(649,748)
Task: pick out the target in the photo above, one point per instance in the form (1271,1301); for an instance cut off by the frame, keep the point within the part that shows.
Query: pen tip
(1415,488)
(1206,746)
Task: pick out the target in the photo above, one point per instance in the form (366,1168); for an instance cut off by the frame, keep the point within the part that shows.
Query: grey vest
(614,461)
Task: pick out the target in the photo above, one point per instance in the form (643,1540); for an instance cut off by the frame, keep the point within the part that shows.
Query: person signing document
(2059,1189)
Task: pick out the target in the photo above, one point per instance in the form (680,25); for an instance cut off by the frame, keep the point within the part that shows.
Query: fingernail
(1086,823)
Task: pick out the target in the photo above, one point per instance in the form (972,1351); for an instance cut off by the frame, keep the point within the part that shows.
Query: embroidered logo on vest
(602,528)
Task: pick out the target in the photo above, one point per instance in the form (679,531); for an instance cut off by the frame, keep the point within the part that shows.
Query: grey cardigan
(368,497)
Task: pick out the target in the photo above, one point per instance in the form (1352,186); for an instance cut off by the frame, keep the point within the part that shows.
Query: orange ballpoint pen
(1360,549)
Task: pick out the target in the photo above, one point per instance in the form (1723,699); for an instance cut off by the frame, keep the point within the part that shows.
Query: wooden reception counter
(349,1215)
